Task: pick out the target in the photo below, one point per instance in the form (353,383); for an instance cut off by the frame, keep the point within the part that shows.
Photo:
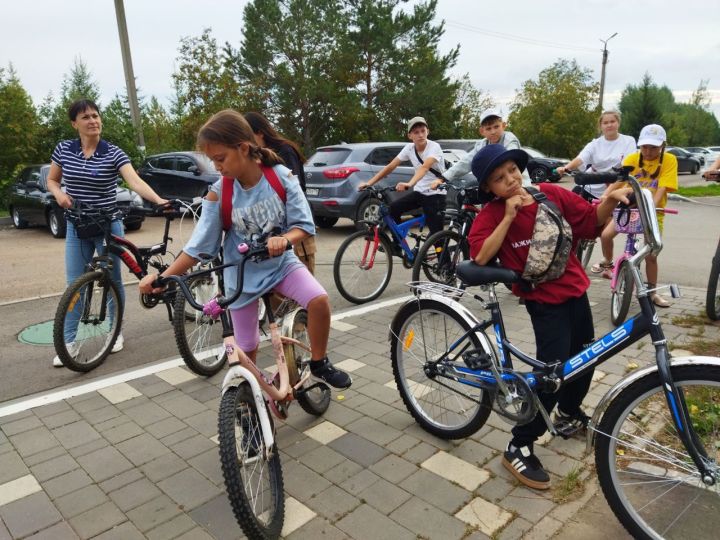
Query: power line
(519,39)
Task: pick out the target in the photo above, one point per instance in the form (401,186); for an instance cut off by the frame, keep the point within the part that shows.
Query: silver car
(333,174)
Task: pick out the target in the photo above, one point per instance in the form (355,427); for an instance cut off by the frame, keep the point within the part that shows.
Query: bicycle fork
(366,264)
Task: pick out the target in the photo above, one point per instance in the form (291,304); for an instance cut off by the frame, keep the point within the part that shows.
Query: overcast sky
(501,43)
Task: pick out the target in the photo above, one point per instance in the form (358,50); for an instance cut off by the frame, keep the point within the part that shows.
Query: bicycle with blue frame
(657,431)
(363,263)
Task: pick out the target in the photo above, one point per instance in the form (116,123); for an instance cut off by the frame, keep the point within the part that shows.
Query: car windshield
(328,156)
(533,153)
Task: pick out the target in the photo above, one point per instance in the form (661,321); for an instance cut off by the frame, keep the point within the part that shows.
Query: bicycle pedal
(477,359)
(567,429)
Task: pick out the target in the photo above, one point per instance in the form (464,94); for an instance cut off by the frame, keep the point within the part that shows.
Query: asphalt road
(32,269)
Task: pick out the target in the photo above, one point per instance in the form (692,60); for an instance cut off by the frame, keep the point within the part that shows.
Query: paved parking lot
(137,457)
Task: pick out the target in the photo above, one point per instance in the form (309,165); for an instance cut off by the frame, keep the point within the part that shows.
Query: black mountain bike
(441,253)
(89,315)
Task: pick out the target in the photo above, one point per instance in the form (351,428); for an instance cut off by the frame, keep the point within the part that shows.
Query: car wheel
(369,210)
(56,223)
(18,222)
(538,175)
(694,169)
(325,222)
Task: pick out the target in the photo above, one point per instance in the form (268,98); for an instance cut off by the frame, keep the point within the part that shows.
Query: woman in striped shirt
(89,167)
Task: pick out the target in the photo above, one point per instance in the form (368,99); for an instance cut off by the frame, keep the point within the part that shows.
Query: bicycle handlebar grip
(212,309)
(583,179)
(160,282)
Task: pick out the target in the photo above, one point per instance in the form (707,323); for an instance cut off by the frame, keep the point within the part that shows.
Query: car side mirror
(194,169)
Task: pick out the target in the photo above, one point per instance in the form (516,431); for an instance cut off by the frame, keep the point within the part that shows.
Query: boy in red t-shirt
(559,309)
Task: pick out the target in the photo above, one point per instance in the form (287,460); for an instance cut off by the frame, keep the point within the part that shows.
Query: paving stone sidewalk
(140,460)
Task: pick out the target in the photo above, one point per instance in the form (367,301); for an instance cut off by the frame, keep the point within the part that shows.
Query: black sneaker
(324,371)
(526,467)
(568,425)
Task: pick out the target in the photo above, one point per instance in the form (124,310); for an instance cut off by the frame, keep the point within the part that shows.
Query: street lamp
(602,72)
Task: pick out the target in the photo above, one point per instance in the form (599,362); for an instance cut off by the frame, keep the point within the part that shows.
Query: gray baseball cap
(415,121)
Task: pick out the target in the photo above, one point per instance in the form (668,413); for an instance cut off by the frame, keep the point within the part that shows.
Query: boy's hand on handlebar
(402,186)
(146,285)
(436,184)
(711,175)
(277,245)
(363,186)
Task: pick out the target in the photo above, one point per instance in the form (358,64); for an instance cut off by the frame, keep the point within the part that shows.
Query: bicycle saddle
(473,274)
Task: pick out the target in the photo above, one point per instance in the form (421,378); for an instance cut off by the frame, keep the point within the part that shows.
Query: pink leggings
(300,285)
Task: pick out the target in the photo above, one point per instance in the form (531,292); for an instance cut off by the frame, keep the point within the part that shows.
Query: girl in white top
(603,153)
(599,155)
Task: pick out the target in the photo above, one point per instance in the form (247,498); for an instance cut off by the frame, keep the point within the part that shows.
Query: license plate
(314,192)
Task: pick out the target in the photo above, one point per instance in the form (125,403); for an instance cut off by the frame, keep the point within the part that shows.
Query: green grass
(568,488)
(710,190)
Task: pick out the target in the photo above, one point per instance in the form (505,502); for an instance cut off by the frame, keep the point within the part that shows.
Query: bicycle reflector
(339,173)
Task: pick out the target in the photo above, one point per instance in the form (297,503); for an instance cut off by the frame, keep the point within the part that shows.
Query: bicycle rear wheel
(317,400)
(439,256)
(423,330)
(357,280)
(253,482)
(646,474)
(199,337)
(622,295)
(87,321)
(584,251)
(712,302)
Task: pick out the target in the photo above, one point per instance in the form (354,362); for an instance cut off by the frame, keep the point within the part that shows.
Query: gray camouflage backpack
(551,242)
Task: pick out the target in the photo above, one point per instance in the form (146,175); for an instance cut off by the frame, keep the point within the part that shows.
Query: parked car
(698,152)
(333,174)
(707,153)
(540,168)
(686,162)
(32,204)
(179,175)
(452,156)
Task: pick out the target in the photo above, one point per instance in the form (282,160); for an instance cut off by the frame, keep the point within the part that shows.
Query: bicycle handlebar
(214,307)
(583,179)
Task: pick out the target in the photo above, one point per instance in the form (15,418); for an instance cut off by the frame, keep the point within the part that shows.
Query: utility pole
(129,75)
(602,72)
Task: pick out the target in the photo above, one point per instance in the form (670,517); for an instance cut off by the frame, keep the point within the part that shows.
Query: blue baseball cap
(489,158)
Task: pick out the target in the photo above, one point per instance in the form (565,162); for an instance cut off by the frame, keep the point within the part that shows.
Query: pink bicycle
(627,221)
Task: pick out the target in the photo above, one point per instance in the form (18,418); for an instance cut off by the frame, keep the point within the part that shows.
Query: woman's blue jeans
(78,254)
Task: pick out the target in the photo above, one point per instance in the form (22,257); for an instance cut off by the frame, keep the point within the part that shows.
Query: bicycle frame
(400,230)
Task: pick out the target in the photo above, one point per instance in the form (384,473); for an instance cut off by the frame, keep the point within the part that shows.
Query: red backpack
(227,193)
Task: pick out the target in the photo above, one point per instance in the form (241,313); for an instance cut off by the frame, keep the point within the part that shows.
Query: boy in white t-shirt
(427,158)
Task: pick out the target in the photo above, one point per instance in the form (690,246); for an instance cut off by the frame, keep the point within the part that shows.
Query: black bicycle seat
(473,274)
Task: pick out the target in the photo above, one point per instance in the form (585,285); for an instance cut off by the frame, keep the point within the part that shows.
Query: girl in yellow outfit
(657,171)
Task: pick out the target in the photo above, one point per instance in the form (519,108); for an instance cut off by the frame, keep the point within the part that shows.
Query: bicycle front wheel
(253,482)
(646,474)
(199,337)
(622,295)
(317,400)
(87,321)
(360,271)
(439,256)
(712,302)
(422,332)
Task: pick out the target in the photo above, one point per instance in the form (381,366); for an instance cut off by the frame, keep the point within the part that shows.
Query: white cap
(654,135)
(488,113)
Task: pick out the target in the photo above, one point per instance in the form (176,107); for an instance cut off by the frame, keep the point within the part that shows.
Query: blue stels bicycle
(656,432)
(363,263)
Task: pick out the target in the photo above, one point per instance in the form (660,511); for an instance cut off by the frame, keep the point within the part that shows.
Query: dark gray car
(179,175)
(333,174)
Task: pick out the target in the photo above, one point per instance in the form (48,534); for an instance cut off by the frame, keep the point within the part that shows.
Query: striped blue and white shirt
(92,180)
